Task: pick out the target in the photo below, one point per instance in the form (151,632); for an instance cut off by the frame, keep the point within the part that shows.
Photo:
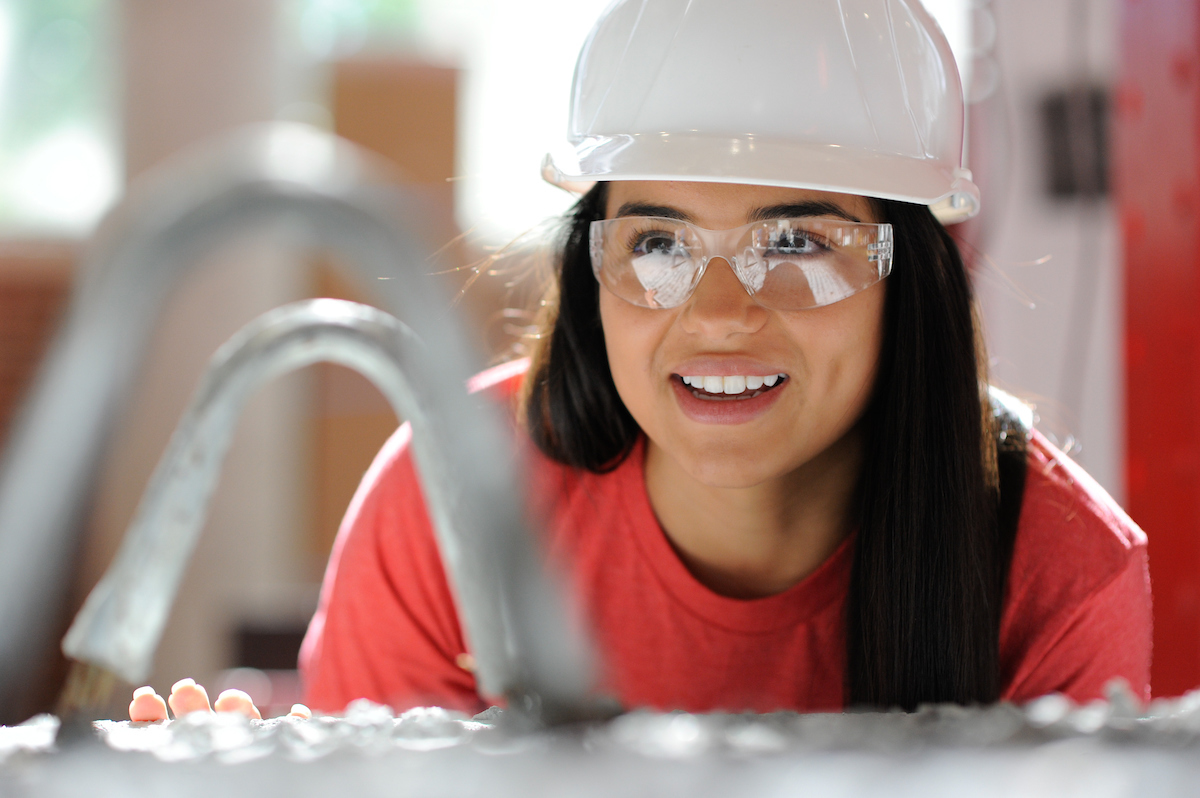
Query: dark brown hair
(923,610)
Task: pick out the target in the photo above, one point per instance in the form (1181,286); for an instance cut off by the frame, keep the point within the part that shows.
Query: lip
(726,367)
(725,411)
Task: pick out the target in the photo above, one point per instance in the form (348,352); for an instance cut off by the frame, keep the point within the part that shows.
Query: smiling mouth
(724,389)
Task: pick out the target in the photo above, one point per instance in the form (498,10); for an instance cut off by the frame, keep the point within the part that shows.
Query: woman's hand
(187,696)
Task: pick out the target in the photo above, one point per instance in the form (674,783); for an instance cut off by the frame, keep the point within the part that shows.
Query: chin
(722,473)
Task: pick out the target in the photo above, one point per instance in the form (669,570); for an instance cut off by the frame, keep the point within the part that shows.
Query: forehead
(720,206)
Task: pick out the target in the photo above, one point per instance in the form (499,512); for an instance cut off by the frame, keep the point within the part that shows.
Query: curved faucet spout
(122,621)
(324,190)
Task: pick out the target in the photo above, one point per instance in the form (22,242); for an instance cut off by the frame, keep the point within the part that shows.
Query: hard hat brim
(946,188)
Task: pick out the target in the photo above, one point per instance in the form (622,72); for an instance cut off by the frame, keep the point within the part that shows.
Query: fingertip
(187,696)
(234,700)
(147,706)
(300,711)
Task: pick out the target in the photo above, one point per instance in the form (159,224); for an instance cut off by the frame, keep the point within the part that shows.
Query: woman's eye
(794,242)
(655,243)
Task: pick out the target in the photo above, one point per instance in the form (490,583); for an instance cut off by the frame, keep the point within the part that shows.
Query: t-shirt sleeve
(386,627)
(1107,636)
(1078,613)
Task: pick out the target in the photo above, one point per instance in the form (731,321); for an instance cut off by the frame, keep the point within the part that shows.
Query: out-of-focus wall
(1157,157)
(406,112)
(193,69)
(1062,256)
(35,281)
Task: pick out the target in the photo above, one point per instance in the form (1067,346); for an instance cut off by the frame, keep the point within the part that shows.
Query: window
(58,164)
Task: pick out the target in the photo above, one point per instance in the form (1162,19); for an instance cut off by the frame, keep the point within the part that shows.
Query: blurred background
(1081,135)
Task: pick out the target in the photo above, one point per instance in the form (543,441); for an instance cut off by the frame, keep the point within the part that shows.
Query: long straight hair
(923,611)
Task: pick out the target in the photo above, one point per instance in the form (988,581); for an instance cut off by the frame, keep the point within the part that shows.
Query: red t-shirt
(1077,612)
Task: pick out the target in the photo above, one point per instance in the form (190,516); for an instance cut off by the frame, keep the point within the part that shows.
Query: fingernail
(233,692)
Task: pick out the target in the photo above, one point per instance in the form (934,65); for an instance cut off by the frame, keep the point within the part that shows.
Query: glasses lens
(795,264)
(786,264)
(644,260)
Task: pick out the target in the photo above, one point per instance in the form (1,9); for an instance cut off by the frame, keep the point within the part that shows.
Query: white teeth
(731,385)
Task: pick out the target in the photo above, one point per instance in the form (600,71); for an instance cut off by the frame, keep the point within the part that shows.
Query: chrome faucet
(324,190)
(122,621)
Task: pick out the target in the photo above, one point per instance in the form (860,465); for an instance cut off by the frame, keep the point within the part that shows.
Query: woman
(764,446)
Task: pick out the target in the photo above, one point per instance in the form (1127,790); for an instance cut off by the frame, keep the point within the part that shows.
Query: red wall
(1156,141)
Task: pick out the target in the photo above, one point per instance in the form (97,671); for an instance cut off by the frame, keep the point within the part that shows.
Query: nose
(721,306)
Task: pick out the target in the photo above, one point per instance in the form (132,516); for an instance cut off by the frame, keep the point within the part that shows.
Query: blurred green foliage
(59,67)
(337,28)
(56,73)
(390,15)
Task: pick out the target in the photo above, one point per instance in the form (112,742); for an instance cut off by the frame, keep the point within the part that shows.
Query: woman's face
(827,354)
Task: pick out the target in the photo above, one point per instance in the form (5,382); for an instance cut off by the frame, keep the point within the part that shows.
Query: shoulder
(393,477)
(1067,515)
(1077,609)
(501,382)
(559,495)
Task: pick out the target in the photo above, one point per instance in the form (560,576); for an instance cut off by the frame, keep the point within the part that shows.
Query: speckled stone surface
(1049,747)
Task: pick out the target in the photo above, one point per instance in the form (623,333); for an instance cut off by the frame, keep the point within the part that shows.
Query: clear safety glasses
(785,264)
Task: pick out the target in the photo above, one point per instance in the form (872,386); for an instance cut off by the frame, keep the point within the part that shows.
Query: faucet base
(87,692)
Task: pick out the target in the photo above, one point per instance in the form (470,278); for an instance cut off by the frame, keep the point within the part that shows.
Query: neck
(750,542)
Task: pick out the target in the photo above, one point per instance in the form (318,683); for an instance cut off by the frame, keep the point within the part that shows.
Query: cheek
(840,346)
(631,337)
(618,346)
(856,358)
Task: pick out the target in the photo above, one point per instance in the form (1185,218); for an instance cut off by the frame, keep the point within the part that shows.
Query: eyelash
(639,237)
(809,238)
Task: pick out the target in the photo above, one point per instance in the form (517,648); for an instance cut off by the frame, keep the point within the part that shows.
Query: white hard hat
(853,96)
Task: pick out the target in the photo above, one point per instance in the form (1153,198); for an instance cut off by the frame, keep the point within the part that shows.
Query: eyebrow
(646,209)
(790,210)
(787,210)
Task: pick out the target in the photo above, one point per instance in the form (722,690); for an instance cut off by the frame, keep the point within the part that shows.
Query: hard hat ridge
(854,96)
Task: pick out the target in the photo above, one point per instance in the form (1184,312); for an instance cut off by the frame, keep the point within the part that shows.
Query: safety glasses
(784,264)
